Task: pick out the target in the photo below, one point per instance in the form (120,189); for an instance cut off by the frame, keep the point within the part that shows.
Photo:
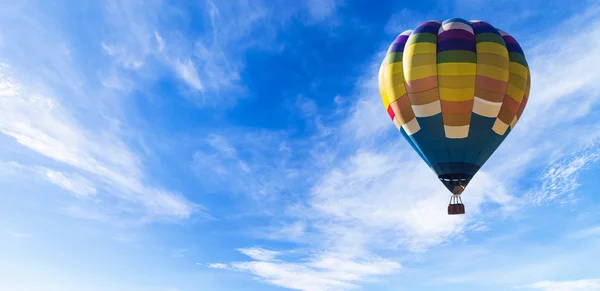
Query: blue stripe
(427,29)
(412,144)
(480,134)
(457,44)
(431,140)
(514,48)
(484,28)
(396,48)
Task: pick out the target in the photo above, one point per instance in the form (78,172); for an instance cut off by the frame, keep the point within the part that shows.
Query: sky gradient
(243,145)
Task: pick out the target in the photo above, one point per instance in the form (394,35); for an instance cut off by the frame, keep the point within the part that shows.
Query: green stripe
(489,37)
(421,37)
(454,56)
(518,58)
(393,58)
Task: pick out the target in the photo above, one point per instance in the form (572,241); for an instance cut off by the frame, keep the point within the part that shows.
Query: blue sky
(242,145)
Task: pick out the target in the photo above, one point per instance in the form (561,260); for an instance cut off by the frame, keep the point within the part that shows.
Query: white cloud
(179,253)
(80,186)
(216,266)
(323,272)
(208,63)
(41,124)
(73,125)
(560,178)
(18,234)
(583,285)
(259,254)
(574,75)
(256,164)
(320,10)
(591,232)
(160,41)
(187,71)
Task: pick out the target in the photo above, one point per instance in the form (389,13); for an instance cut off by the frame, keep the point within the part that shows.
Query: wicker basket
(456,206)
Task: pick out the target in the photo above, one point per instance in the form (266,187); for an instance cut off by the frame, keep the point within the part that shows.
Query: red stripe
(391,112)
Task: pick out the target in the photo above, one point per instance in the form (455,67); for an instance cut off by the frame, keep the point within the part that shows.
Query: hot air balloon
(454,89)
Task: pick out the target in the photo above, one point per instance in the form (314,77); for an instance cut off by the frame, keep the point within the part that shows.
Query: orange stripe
(511,104)
(457,107)
(421,85)
(505,115)
(489,96)
(424,97)
(491,85)
(403,110)
(456,119)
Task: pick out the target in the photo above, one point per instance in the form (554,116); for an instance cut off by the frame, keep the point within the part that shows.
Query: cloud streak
(587,285)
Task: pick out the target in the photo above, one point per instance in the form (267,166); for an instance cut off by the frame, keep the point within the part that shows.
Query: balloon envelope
(454,89)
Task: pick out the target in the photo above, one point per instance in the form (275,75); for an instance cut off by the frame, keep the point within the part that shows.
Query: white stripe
(502,33)
(486,108)
(397,122)
(456,25)
(456,131)
(407,32)
(499,127)
(427,110)
(475,21)
(411,127)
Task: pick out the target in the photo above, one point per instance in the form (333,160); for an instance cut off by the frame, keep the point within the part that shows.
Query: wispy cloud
(587,285)
(591,232)
(43,125)
(187,71)
(259,254)
(80,186)
(560,179)
(61,112)
(256,164)
(320,10)
(18,234)
(324,272)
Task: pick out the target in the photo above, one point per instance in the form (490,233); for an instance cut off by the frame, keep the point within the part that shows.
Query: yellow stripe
(393,68)
(382,87)
(493,72)
(419,48)
(420,72)
(420,60)
(528,84)
(394,91)
(382,92)
(493,60)
(492,48)
(456,82)
(514,92)
(518,69)
(449,94)
(380,84)
(457,69)
(384,99)
(517,81)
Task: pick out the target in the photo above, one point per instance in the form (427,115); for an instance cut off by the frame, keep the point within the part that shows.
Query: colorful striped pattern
(455,89)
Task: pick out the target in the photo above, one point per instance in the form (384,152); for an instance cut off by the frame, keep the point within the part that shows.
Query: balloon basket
(456,206)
